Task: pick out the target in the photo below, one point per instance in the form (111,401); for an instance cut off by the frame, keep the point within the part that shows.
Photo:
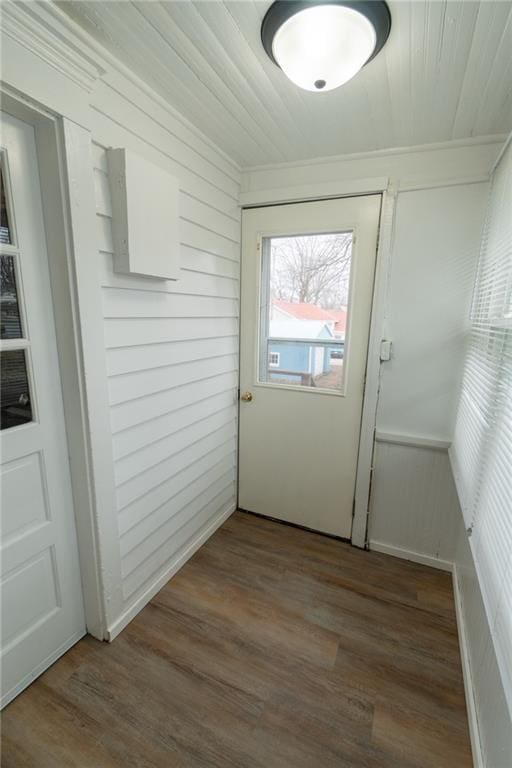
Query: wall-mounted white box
(145,216)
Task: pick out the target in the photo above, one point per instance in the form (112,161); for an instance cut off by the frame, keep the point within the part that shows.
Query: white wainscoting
(489,717)
(415,514)
(413,507)
(171,351)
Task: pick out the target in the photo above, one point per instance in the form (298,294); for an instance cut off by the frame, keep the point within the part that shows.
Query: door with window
(307,285)
(40,592)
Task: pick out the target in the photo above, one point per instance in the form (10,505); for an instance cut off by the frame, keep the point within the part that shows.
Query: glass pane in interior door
(304,308)
(15,407)
(5,230)
(9,304)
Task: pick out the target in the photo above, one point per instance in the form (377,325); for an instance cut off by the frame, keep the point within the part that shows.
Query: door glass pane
(9,306)
(304,306)
(15,406)
(5,230)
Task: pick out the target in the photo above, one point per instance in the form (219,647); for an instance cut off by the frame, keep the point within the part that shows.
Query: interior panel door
(41,596)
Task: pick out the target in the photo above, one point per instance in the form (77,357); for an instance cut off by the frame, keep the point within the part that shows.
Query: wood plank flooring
(272,648)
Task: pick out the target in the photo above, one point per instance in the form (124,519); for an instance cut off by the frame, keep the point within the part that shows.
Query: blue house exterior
(300,359)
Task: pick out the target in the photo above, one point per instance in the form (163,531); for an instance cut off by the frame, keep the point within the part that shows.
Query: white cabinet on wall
(145,216)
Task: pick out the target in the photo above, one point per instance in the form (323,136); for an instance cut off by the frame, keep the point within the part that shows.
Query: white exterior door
(41,597)
(307,286)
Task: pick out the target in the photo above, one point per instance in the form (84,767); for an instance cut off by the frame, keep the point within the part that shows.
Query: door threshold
(344,539)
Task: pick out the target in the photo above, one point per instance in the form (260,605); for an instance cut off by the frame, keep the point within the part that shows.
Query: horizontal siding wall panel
(186,452)
(191,234)
(172,350)
(209,217)
(209,263)
(191,281)
(126,302)
(133,470)
(139,358)
(148,432)
(149,459)
(173,123)
(187,160)
(189,522)
(190,209)
(131,386)
(110,134)
(141,435)
(204,239)
(127,332)
(144,409)
(145,516)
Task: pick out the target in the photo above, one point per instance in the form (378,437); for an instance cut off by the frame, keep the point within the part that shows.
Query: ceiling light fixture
(321,44)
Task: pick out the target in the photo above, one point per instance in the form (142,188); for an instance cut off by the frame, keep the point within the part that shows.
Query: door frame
(68,194)
(364,472)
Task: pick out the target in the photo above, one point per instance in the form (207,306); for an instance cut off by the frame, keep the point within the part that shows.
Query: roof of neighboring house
(340,319)
(299,329)
(303,311)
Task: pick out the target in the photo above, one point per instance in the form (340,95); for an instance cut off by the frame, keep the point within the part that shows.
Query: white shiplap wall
(171,348)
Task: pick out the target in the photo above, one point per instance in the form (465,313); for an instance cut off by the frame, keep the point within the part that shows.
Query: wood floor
(272,648)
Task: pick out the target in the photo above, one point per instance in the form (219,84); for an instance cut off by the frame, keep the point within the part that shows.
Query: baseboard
(445,565)
(474,732)
(407,554)
(125,618)
(42,667)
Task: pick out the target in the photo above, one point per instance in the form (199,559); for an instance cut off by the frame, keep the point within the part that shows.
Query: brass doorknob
(246,397)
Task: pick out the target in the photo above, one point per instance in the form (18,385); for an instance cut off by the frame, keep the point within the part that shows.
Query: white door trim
(372,383)
(65,163)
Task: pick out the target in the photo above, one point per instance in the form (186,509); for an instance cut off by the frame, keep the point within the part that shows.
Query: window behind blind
(482,449)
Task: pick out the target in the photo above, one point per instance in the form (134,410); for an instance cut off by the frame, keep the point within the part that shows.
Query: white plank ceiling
(445,73)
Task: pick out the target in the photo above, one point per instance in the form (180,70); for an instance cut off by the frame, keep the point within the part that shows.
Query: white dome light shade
(322,47)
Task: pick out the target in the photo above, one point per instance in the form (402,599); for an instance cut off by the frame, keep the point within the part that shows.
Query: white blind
(482,449)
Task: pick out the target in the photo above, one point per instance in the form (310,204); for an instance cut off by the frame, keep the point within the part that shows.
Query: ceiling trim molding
(498,138)
(22,22)
(77,36)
